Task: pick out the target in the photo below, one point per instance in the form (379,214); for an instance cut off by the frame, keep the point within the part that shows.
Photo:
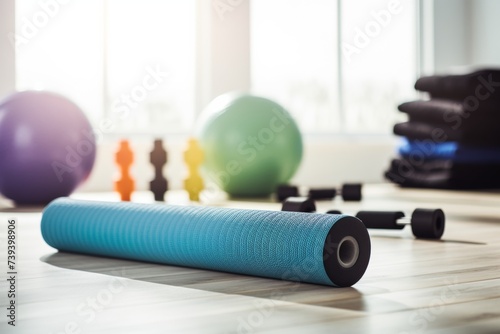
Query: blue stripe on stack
(453,151)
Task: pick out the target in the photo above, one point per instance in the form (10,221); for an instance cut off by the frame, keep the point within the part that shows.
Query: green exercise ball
(251,144)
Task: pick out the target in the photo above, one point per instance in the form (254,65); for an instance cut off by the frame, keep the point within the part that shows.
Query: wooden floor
(411,286)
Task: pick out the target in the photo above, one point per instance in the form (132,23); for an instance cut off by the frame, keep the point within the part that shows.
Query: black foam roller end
(346,258)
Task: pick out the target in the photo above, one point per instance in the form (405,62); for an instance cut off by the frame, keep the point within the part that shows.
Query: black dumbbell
(425,223)
(299,204)
(284,191)
(349,192)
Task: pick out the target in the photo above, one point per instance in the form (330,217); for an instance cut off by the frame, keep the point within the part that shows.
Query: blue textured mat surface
(283,245)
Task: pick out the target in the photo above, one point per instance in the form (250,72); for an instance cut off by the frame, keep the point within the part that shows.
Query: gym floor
(411,286)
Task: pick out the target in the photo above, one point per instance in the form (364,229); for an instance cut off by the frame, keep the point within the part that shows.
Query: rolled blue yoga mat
(315,248)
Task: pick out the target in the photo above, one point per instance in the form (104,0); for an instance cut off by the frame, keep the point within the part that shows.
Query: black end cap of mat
(346,252)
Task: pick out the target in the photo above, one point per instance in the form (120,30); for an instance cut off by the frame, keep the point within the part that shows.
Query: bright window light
(351,85)
(60,50)
(127,61)
(294,59)
(150,59)
(379,64)
(340,67)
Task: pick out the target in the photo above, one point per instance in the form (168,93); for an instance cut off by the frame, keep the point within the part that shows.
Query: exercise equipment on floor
(299,204)
(124,158)
(251,144)
(425,223)
(47,147)
(158,158)
(323,249)
(348,191)
(193,157)
(458,128)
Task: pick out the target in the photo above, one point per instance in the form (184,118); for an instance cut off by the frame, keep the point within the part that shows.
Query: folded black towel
(464,109)
(487,135)
(403,166)
(483,84)
(451,113)
(442,174)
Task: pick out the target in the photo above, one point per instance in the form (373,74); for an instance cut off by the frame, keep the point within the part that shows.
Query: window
(294,59)
(151,58)
(128,61)
(59,48)
(378,63)
(338,66)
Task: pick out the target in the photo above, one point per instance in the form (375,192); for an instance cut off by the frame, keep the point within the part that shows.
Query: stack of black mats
(452,140)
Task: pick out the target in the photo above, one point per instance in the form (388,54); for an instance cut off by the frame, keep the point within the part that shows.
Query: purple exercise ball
(47,147)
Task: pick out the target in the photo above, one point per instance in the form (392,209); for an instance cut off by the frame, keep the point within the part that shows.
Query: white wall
(222,71)
(485,23)
(466,34)
(451,34)
(7,52)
